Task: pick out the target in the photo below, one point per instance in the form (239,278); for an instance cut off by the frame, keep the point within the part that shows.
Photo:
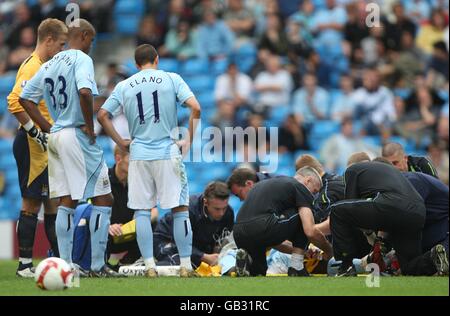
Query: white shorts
(163,181)
(75,167)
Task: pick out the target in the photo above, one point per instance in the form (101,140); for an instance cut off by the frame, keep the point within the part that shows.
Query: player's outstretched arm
(32,109)
(104,119)
(313,233)
(324,227)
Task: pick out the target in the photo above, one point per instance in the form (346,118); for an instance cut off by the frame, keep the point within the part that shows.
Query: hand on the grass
(115,230)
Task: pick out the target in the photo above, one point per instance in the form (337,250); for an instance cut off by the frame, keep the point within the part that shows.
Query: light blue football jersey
(58,82)
(149,101)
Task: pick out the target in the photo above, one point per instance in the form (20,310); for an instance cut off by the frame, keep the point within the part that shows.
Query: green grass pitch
(226,286)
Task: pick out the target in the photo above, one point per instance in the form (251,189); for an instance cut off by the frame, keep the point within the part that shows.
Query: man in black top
(242,181)
(435,196)
(276,210)
(211,217)
(332,191)
(380,198)
(120,213)
(395,153)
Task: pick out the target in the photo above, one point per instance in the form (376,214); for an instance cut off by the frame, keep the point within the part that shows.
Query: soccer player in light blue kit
(76,166)
(149,100)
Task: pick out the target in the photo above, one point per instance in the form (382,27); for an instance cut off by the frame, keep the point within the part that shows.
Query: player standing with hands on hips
(149,100)
(76,167)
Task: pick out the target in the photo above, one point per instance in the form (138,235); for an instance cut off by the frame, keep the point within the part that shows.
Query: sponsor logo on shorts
(44,190)
(105,183)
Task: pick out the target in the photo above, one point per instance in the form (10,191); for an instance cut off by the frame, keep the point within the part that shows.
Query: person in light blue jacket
(215,39)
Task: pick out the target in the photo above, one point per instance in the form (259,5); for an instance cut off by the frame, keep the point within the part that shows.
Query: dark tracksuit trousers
(260,233)
(387,212)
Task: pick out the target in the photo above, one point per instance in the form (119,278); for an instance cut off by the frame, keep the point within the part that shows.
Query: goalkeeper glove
(40,137)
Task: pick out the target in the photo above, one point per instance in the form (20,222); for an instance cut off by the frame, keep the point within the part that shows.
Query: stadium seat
(130,7)
(5,145)
(219,67)
(319,4)
(200,83)
(195,187)
(285,160)
(130,67)
(62,3)
(206,100)
(7,161)
(3,104)
(372,140)
(13,191)
(245,57)
(7,83)
(194,67)
(315,143)
(278,115)
(285,171)
(324,129)
(245,64)
(208,114)
(168,64)
(127,24)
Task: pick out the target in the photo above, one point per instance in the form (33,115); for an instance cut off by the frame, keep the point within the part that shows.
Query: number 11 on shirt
(141,108)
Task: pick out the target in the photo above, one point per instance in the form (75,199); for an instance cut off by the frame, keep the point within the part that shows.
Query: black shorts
(31,166)
(257,235)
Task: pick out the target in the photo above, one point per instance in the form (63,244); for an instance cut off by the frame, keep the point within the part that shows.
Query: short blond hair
(51,27)
(309,161)
(357,157)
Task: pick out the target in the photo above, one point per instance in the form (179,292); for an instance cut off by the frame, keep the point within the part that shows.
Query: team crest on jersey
(24,83)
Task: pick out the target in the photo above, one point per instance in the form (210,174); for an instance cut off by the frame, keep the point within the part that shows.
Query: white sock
(297,261)
(186,263)
(25,260)
(150,263)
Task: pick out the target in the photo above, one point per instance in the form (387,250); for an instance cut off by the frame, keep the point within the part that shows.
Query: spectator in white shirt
(273,86)
(336,149)
(233,87)
(374,105)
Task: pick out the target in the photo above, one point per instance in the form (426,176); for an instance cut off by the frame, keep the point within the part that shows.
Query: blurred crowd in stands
(331,82)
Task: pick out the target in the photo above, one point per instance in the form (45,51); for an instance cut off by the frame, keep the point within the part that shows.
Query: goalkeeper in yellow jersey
(30,149)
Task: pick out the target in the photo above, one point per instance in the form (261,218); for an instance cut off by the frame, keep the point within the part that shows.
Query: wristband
(29,125)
